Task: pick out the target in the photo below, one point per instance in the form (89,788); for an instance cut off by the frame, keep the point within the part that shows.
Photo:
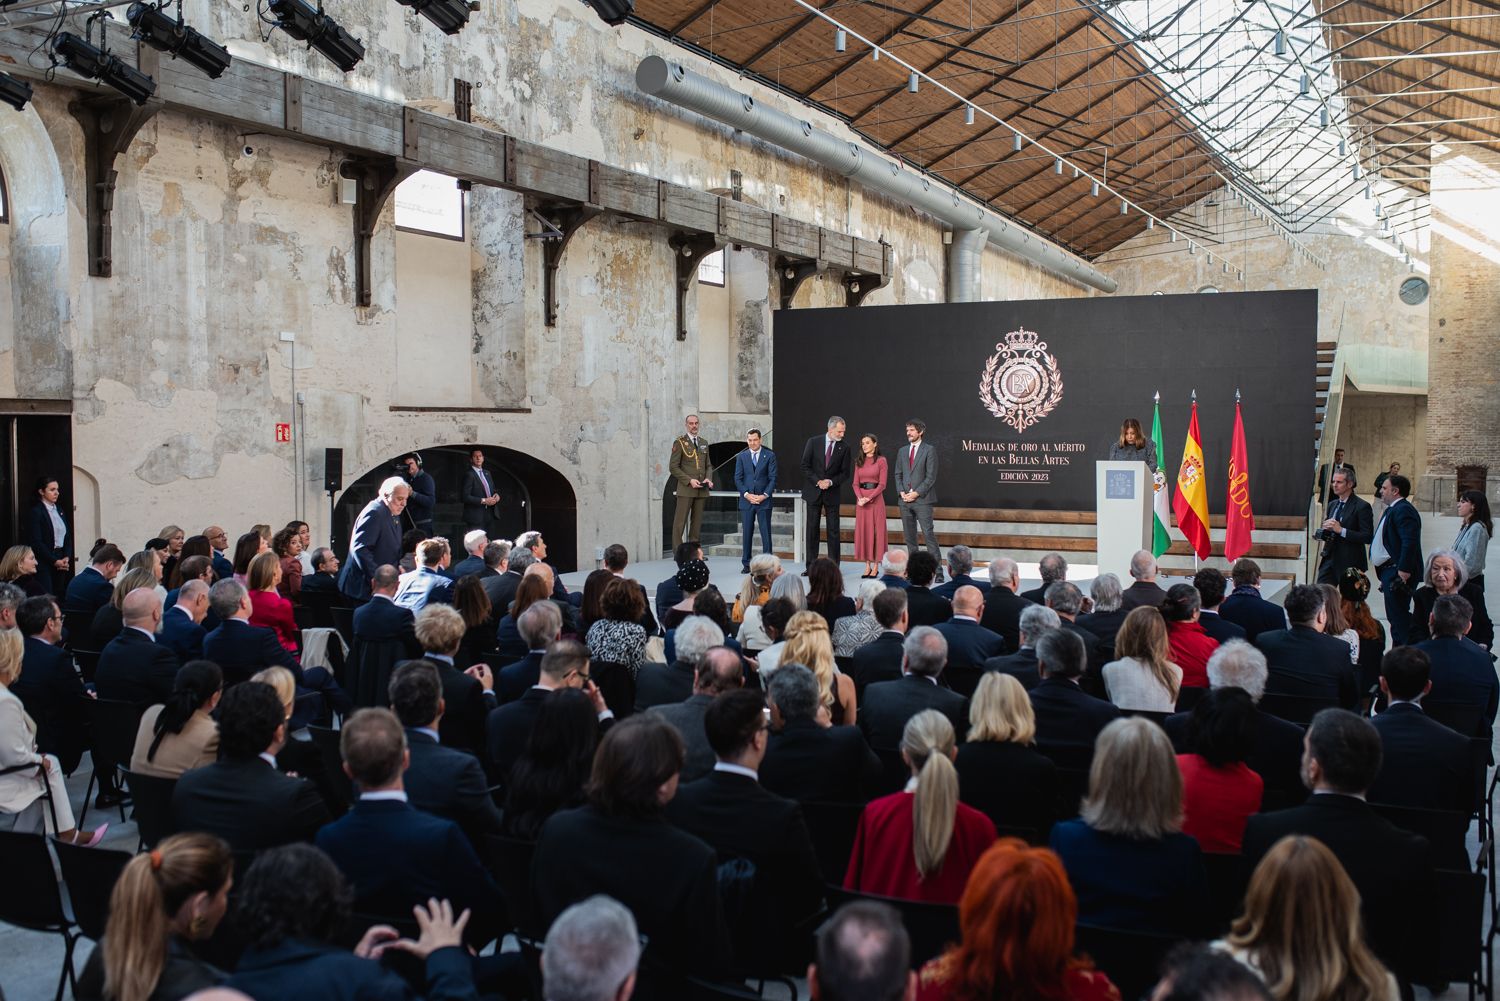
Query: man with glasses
(218,539)
(49,685)
(565,665)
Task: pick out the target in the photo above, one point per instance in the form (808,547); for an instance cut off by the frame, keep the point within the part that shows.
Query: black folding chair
(1459,716)
(509,861)
(87,661)
(1445,830)
(1159,718)
(343,621)
(1227,876)
(894,771)
(1461,956)
(327,743)
(41,777)
(112,729)
(1299,709)
(832,827)
(932,927)
(152,796)
(90,875)
(1072,786)
(1187,698)
(1132,959)
(77,624)
(615,683)
(30,897)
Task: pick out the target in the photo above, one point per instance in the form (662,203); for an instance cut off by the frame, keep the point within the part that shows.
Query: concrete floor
(29,962)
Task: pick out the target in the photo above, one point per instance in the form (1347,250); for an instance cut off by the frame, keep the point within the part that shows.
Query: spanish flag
(1190,503)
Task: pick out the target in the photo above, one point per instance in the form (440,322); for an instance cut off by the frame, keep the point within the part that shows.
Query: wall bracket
(859,284)
(561,220)
(376,180)
(791,272)
(689,249)
(109,126)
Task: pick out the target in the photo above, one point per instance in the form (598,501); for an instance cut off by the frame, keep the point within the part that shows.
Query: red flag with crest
(1239,520)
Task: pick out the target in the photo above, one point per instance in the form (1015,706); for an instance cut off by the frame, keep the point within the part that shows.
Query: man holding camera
(423,493)
(1348,526)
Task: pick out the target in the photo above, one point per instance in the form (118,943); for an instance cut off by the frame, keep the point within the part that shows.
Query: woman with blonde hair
(18,566)
(163,901)
(1144,677)
(110,619)
(920,843)
(283,682)
(1126,855)
(1301,930)
(756,590)
(175,538)
(1000,773)
(808,643)
(267,606)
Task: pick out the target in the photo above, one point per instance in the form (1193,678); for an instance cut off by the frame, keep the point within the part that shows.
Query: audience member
(1245,607)
(1354,602)
(501,585)
(1023,665)
(287,545)
(923,608)
(553,767)
(880,659)
(427,583)
(853,631)
(1304,661)
(1461,669)
(49,686)
(1143,589)
(1068,719)
(1016,918)
(473,563)
(863,953)
(323,581)
(709,604)
(1448,575)
(1211,585)
(754,593)
(19,567)
(808,644)
(539,626)
(893,569)
(10,600)
(181,624)
(999,772)
(1423,763)
(246,548)
(1334,623)
(1300,930)
(667,684)
(719,670)
(969,643)
(473,605)
(888,705)
(960,562)
(1126,855)
(1194,972)
(774,617)
(181,734)
(1144,678)
(1067,601)
(267,607)
(806,760)
(468,696)
(536,588)
(1109,612)
(1053,567)
(1002,604)
(508,728)
(218,541)
(616,559)
(239,648)
(692,577)
(920,843)
(668,593)
(110,619)
(618,637)
(163,901)
(591,953)
(825,591)
(134,667)
(91,589)
(1219,790)
(1190,646)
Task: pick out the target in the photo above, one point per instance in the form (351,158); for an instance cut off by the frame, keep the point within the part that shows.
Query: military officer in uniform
(689,467)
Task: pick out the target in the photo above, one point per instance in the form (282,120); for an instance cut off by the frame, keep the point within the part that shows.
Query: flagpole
(1197,563)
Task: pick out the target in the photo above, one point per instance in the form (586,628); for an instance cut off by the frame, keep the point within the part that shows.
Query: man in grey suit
(916,487)
(718,671)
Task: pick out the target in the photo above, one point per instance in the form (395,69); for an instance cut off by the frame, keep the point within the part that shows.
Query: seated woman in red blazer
(1190,645)
(267,607)
(1219,791)
(921,843)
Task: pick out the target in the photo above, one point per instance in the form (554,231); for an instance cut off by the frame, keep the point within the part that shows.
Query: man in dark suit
(1211,585)
(1390,868)
(480,498)
(239,648)
(1424,764)
(893,569)
(1337,466)
(1023,665)
(809,762)
(718,671)
(889,704)
(1066,600)
(134,667)
(565,666)
(1396,551)
(915,468)
(969,643)
(961,574)
(1068,719)
(730,810)
(242,797)
(440,780)
(755,480)
(1002,604)
(1348,526)
(502,589)
(423,498)
(323,581)
(468,695)
(1143,590)
(825,470)
(1304,660)
(1108,615)
(668,684)
(49,686)
(218,541)
(1462,671)
(1053,568)
(394,855)
(923,608)
(376,539)
(538,626)
(181,625)
(92,589)
(497,583)
(381,619)
(880,659)
(1245,607)
(616,560)
(474,543)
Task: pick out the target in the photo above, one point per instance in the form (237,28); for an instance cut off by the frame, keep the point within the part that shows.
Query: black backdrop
(878,365)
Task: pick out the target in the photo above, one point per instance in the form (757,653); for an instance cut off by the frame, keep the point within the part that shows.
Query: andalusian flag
(1161,539)
(1191,502)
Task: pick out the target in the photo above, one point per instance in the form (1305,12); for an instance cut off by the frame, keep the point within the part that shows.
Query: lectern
(1123,493)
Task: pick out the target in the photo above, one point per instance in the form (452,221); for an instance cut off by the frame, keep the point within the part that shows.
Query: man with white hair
(1003,603)
(851,632)
(1053,567)
(591,952)
(376,539)
(1145,590)
(893,569)
(474,544)
(1109,610)
(960,574)
(537,546)
(887,705)
(1036,622)
(661,684)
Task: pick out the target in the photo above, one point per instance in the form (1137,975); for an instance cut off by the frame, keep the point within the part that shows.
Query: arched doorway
(533,496)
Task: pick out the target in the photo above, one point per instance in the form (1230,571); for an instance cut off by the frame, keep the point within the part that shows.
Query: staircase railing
(1327,441)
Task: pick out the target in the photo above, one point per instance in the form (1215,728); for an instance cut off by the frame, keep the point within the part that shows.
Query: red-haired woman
(1016,918)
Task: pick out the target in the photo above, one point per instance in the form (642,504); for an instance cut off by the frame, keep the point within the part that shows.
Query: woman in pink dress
(869,515)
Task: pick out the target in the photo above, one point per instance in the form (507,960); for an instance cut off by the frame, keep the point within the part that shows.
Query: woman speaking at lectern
(1133,446)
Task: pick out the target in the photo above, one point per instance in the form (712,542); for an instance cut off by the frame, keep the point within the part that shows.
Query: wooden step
(1269,523)
(1328,345)
(1073,544)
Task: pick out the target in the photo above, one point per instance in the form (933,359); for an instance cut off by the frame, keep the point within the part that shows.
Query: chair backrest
(1458,902)
(932,927)
(894,771)
(343,621)
(1299,709)
(90,874)
(152,796)
(1159,718)
(693,989)
(509,861)
(372,664)
(1072,786)
(112,730)
(327,743)
(29,895)
(1460,716)
(87,661)
(963,680)
(1226,879)
(617,686)
(1445,831)
(1187,698)
(1131,959)
(832,827)
(77,624)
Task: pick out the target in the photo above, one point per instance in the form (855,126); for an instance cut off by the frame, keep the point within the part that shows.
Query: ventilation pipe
(965,259)
(679,85)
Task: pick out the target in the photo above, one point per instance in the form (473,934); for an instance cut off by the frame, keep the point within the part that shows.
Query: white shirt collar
(269,759)
(429,731)
(440,658)
(388,597)
(725,766)
(398,795)
(965,618)
(144,632)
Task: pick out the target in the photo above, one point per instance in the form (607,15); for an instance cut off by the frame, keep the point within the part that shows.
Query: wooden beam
(109,124)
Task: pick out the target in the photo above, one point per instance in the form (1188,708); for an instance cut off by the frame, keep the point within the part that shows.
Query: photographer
(423,492)
(1348,526)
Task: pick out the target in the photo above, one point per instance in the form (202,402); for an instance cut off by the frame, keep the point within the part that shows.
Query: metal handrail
(1332,415)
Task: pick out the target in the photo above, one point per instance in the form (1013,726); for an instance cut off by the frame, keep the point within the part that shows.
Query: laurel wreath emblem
(1022,358)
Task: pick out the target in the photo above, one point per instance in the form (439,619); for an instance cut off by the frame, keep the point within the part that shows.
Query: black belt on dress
(868,486)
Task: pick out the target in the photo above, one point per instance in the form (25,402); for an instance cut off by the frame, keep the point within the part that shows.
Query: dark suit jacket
(1424,763)
(1348,550)
(813,469)
(889,580)
(1010,783)
(1037,595)
(1105,625)
(475,512)
(739,818)
(878,660)
(1021,665)
(1401,530)
(889,704)
(1462,672)
(223,569)
(49,688)
(515,679)
(135,668)
(321,583)
(450,783)
(687,717)
(1277,757)
(299,970)
(508,728)
(1068,717)
(466,708)
(1253,614)
(502,591)
(949,589)
(1150,885)
(1308,663)
(180,633)
(376,541)
(1220,628)
(1142,592)
(471,565)
(40,538)
(88,591)
(1390,868)
(381,619)
(1002,614)
(923,608)
(662,684)
(395,856)
(816,764)
(241,649)
(247,803)
(969,643)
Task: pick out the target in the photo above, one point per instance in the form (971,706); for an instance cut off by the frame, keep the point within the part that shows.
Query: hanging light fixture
(1305,86)
(840,40)
(912,82)
(1323,117)
(1151,222)
(1094,189)
(1124,207)
(1015,142)
(968,114)
(1343,148)
(1279,45)
(1057,166)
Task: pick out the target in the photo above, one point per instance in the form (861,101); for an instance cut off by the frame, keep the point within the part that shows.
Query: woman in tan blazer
(181,735)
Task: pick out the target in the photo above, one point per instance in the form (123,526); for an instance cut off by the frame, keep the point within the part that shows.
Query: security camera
(247,150)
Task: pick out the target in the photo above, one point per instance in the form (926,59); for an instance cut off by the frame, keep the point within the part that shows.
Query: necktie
(755,458)
(911,461)
(828,457)
(484,481)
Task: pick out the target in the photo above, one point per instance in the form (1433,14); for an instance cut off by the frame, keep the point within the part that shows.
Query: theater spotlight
(96,64)
(160,30)
(449,15)
(612,12)
(308,24)
(14,92)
